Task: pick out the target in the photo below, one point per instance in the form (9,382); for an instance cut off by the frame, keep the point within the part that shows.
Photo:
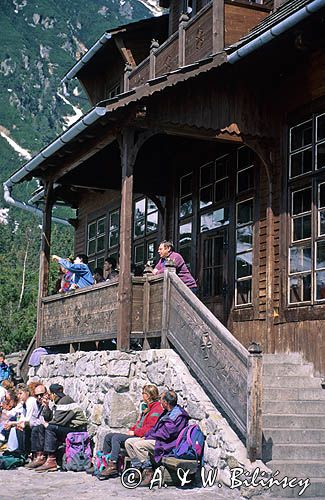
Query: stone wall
(108,385)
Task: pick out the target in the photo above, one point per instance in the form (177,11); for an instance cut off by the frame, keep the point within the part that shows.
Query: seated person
(67,417)
(4,386)
(110,271)
(4,368)
(147,419)
(82,276)
(10,401)
(98,275)
(42,415)
(161,438)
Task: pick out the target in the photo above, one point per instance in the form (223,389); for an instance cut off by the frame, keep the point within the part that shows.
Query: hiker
(167,253)
(67,417)
(150,412)
(160,439)
(82,276)
(42,415)
(4,368)
(110,271)
(98,275)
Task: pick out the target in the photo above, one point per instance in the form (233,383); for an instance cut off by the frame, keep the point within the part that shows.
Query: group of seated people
(35,421)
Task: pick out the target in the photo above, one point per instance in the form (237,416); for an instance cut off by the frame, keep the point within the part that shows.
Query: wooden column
(218,26)
(254,402)
(126,82)
(152,59)
(44,267)
(124,316)
(170,268)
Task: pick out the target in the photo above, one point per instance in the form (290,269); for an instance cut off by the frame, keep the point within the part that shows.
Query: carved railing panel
(198,36)
(167,56)
(140,75)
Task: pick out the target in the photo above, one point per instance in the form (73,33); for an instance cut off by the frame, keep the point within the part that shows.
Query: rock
(119,368)
(118,418)
(97,414)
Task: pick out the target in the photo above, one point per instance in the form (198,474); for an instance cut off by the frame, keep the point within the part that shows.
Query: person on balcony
(98,275)
(110,271)
(167,253)
(81,274)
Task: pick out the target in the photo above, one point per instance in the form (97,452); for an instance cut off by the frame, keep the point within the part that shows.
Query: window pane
(244,158)
(207,174)
(151,251)
(320,155)
(244,239)
(320,124)
(91,265)
(244,265)
(91,247)
(206,197)
(301,227)
(322,222)
(100,262)
(114,220)
(300,259)
(221,190)
(301,135)
(245,180)
(100,243)
(139,209)
(113,238)
(301,201)
(244,292)
(92,230)
(212,220)
(300,288)
(139,227)
(139,254)
(300,163)
(185,233)
(185,207)
(222,165)
(101,226)
(186,254)
(151,206)
(152,222)
(320,254)
(321,195)
(320,285)
(186,185)
(245,212)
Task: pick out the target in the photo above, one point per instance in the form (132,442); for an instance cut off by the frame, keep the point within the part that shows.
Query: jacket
(4,371)
(81,273)
(181,269)
(147,419)
(67,412)
(166,431)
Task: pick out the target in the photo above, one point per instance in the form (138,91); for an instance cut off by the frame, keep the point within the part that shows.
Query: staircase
(294,423)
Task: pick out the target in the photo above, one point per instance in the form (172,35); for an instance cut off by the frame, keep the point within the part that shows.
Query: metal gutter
(275,31)
(86,58)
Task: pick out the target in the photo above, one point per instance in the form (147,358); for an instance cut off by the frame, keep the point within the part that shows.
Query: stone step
(294,436)
(292,381)
(316,489)
(298,468)
(292,358)
(303,407)
(285,369)
(298,452)
(293,394)
(279,421)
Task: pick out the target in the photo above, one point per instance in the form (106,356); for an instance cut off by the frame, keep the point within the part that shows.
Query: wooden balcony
(216,26)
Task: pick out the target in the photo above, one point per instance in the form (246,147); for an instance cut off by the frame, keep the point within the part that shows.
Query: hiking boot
(49,465)
(110,471)
(147,475)
(90,470)
(39,460)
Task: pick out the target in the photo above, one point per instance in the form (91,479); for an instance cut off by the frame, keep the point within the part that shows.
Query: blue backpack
(189,444)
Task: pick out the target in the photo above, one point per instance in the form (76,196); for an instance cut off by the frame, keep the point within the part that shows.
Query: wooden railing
(231,374)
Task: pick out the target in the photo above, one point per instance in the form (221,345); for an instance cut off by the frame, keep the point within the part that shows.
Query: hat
(57,389)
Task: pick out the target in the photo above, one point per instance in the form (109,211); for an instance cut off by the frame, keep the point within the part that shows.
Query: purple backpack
(189,444)
(77,455)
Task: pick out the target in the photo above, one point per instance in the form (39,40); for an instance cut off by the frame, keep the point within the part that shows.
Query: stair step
(293,394)
(294,436)
(298,451)
(285,369)
(294,421)
(298,468)
(292,358)
(316,490)
(292,381)
(292,407)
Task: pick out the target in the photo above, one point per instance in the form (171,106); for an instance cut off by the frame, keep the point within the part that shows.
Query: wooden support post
(218,26)
(126,82)
(124,317)
(44,267)
(152,59)
(146,312)
(254,402)
(170,268)
(181,39)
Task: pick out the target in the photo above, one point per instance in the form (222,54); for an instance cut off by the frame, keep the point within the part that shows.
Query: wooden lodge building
(207,128)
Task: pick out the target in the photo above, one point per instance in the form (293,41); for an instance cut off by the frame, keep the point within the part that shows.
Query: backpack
(100,462)
(11,460)
(189,444)
(77,455)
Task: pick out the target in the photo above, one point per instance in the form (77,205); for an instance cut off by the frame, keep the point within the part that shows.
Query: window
(96,237)
(113,229)
(244,252)
(306,281)
(145,227)
(185,217)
